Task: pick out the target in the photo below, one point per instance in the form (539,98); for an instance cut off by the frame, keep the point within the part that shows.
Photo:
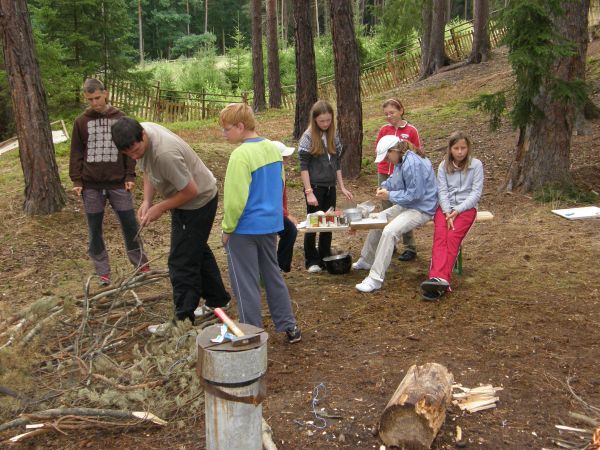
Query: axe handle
(227,321)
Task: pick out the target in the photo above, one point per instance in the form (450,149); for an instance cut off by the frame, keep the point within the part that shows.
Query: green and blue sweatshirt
(253,197)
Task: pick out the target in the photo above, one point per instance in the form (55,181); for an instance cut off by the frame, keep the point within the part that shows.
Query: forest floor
(524,316)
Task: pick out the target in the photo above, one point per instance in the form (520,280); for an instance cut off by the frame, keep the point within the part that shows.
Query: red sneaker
(145,268)
(105,279)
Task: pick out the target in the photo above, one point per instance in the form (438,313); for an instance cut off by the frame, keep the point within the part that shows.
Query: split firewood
(417,410)
(475,399)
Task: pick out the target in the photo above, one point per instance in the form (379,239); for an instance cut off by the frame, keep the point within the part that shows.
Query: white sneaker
(369,285)
(314,269)
(361,264)
(160,330)
(205,311)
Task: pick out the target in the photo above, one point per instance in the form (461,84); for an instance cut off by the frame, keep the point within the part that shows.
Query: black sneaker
(407,255)
(435,285)
(431,296)
(294,335)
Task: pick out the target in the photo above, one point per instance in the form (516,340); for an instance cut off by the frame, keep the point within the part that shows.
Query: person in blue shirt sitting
(412,189)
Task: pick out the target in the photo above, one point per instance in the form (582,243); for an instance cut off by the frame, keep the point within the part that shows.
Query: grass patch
(557,194)
(441,114)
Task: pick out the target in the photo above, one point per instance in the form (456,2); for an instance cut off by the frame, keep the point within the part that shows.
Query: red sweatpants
(447,242)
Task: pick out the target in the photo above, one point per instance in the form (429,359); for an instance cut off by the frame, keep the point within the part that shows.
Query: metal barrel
(234,388)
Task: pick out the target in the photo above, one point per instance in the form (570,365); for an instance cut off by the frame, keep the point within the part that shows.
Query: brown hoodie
(95,162)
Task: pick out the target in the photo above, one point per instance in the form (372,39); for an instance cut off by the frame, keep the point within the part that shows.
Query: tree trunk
(437,57)
(316,29)
(347,86)
(542,155)
(205,16)
(417,410)
(426,17)
(258,71)
(284,22)
(306,72)
(140,34)
(273,56)
(326,19)
(43,192)
(481,39)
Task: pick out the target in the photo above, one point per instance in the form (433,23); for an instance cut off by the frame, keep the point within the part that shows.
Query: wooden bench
(482,216)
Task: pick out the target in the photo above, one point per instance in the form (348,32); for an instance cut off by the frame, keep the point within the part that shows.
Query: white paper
(587,212)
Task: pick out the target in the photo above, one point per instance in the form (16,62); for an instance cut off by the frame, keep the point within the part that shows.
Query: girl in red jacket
(397,126)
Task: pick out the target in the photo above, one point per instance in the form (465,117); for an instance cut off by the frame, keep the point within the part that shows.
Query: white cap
(284,149)
(384,145)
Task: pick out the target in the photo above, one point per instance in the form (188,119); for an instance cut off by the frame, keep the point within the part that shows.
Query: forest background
(192,45)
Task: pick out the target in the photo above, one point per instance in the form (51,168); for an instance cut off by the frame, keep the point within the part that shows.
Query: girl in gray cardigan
(460,183)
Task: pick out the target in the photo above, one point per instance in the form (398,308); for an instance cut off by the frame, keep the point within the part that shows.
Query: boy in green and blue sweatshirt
(253,215)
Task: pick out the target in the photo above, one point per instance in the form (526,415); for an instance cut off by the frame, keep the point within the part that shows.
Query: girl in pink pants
(460,183)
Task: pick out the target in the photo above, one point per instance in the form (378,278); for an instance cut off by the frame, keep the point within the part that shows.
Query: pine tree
(547,41)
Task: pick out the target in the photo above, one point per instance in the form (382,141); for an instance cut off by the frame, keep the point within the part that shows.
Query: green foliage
(534,46)
(61,82)
(400,23)
(192,43)
(237,58)
(7,126)
(564,193)
(93,35)
(492,104)
(203,74)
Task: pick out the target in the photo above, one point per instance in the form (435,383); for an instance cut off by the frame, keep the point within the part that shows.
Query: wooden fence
(163,105)
(397,68)
(403,66)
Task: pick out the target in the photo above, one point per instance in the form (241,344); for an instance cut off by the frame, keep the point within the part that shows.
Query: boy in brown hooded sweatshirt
(99,173)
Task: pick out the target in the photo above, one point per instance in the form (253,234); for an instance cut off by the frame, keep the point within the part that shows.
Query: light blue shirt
(412,184)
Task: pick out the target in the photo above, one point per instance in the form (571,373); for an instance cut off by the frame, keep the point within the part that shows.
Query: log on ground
(417,410)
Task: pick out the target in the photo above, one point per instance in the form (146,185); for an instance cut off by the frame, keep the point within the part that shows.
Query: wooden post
(417,410)
(203,106)
(157,103)
(455,43)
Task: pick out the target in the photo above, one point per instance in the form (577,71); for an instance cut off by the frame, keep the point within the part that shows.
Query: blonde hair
(321,107)
(408,146)
(465,163)
(235,113)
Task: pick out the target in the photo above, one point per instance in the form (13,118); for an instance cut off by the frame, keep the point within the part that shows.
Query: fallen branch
(132,387)
(25,419)
(35,330)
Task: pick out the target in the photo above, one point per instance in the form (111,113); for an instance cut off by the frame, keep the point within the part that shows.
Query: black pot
(338,264)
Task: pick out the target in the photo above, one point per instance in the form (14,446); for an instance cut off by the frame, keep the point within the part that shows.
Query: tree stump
(417,410)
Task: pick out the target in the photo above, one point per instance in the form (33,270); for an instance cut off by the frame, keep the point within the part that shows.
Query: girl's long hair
(465,163)
(321,107)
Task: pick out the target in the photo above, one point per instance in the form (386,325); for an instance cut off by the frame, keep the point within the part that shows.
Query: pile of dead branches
(584,436)
(100,368)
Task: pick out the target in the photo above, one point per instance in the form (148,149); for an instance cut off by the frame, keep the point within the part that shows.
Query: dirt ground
(523,316)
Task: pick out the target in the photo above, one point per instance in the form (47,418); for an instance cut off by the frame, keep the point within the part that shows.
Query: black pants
(193,269)
(285,248)
(326,197)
